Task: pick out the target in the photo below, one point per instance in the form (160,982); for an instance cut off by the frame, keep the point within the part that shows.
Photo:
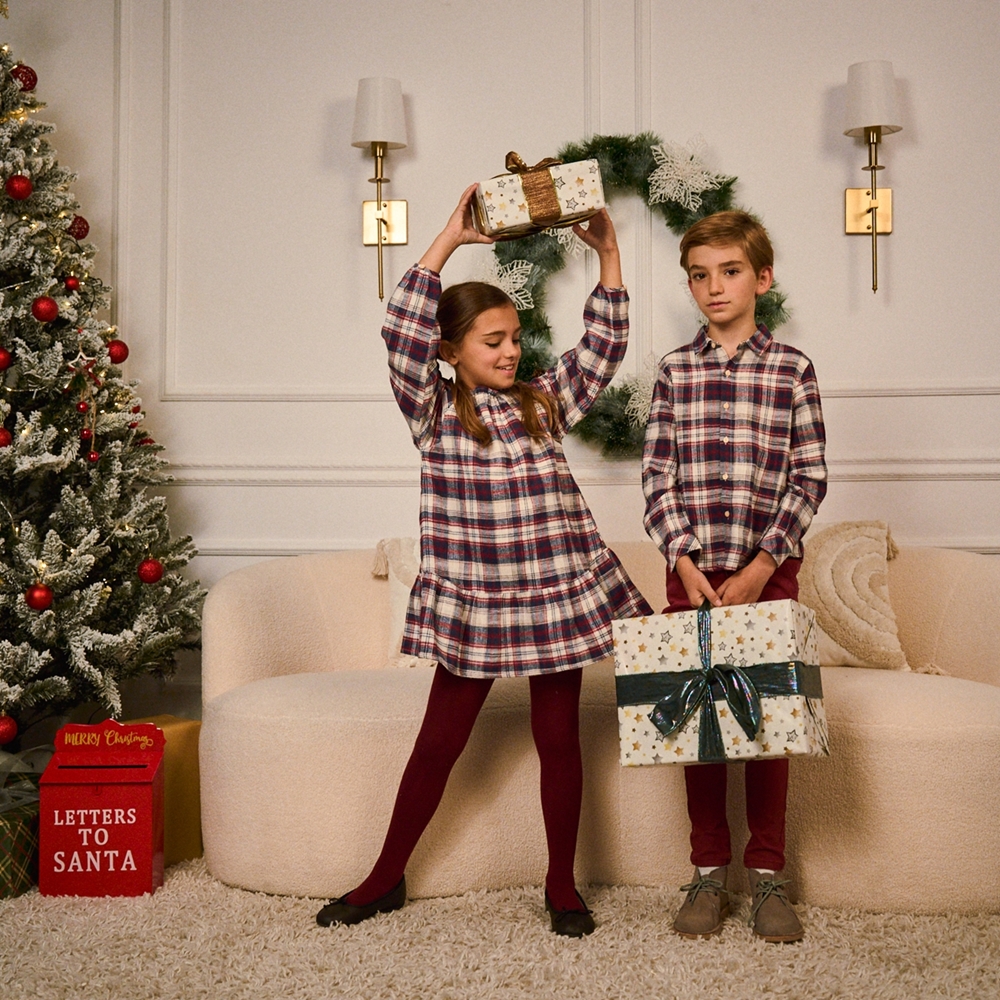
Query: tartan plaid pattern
(514,576)
(18,849)
(733,459)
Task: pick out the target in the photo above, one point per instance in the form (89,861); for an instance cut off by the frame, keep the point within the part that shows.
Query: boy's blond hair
(731,228)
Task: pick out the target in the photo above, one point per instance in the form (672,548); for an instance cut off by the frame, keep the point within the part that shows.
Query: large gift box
(181,787)
(729,683)
(529,199)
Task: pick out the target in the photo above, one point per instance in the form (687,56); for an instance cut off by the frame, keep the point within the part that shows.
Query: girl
(514,578)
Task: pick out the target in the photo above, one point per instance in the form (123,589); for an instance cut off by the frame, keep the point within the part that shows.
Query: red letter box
(100,827)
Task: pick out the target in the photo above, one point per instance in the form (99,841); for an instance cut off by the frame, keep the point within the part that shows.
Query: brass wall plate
(395,232)
(857,218)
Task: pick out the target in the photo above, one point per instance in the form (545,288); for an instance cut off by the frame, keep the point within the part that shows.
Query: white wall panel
(212,140)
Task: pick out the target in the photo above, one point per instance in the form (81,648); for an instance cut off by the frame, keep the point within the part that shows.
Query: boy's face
(489,352)
(725,286)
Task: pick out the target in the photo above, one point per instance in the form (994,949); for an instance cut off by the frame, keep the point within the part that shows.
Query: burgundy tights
(452,709)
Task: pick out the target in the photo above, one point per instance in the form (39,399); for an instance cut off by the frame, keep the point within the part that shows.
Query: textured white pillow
(845,580)
(399,560)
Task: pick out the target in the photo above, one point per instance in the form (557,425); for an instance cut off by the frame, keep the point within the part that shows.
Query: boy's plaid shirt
(733,459)
(514,576)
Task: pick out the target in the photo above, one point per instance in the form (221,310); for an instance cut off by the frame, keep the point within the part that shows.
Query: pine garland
(626,163)
(76,517)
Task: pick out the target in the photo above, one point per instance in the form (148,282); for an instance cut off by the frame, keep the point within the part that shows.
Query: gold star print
(643,621)
(736,741)
(642,647)
(635,746)
(795,713)
(740,640)
(729,613)
(767,718)
(579,180)
(766,747)
(673,647)
(522,207)
(678,751)
(723,713)
(770,645)
(684,651)
(772,617)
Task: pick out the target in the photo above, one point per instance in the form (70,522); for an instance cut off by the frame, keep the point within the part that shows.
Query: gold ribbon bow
(539,188)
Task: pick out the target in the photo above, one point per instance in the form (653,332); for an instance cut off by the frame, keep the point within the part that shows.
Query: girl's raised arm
(457,230)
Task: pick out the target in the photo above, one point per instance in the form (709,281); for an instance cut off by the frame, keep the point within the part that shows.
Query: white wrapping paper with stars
(537,198)
(730,683)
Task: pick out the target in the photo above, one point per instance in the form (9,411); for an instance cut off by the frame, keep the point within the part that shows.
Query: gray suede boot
(706,906)
(772,915)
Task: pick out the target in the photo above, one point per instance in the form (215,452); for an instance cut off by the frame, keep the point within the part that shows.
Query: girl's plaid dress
(514,577)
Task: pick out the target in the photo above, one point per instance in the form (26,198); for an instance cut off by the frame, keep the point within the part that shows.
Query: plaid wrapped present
(730,683)
(551,194)
(19,774)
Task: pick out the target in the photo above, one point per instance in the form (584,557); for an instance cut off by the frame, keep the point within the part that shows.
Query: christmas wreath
(673,181)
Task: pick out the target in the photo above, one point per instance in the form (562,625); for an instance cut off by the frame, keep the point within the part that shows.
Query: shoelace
(701,884)
(768,887)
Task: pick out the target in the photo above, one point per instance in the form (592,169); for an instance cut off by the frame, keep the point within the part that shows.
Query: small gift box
(731,683)
(19,775)
(551,194)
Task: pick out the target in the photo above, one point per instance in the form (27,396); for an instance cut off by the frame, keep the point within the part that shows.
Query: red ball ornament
(93,456)
(82,407)
(38,597)
(8,729)
(150,570)
(5,437)
(137,409)
(19,187)
(78,228)
(72,282)
(117,351)
(146,441)
(132,426)
(26,77)
(86,434)
(6,359)
(44,309)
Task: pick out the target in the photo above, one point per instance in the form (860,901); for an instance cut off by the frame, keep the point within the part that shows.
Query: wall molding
(272,548)
(884,470)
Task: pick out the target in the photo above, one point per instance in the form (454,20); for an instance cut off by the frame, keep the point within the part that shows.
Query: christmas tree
(90,593)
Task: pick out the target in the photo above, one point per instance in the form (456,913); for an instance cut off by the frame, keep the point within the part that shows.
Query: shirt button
(725,406)
(726,514)
(725,475)
(725,440)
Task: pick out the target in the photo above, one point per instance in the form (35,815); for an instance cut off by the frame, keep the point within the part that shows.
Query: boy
(733,471)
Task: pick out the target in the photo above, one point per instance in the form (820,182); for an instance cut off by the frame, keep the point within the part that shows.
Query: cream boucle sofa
(306,732)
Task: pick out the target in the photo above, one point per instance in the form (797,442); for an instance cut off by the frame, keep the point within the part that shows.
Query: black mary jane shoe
(570,923)
(339,911)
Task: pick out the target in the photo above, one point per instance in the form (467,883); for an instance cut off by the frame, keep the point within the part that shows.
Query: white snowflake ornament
(568,240)
(681,175)
(641,387)
(510,278)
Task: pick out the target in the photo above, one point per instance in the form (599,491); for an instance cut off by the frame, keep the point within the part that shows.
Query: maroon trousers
(766,780)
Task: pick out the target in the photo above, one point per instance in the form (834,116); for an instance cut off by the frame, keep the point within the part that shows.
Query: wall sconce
(379,125)
(871,113)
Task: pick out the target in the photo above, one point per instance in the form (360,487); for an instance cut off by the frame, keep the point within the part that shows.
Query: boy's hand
(696,584)
(745,585)
(600,235)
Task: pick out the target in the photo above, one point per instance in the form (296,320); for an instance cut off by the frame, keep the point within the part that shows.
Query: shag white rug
(197,938)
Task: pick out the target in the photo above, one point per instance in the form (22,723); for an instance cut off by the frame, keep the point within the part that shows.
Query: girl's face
(489,352)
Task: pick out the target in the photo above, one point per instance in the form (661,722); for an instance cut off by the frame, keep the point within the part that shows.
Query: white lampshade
(378,113)
(871,98)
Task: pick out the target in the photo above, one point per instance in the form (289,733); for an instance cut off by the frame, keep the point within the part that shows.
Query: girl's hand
(600,235)
(457,231)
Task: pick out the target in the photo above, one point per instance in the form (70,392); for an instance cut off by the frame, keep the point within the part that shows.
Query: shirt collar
(758,343)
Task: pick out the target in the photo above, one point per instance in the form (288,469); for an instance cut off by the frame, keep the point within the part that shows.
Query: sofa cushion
(845,580)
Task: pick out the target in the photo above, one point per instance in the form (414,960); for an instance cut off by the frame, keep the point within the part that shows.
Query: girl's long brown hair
(459,307)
